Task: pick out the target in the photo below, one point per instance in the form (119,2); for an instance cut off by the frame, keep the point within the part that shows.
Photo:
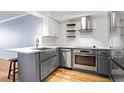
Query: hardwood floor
(66,75)
(4,67)
(60,75)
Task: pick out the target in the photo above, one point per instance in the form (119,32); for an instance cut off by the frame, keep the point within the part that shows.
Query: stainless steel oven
(85,59)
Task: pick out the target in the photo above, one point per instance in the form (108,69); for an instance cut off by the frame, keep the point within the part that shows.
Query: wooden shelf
(70,24)
(51,36)
(70,30)
(70,36)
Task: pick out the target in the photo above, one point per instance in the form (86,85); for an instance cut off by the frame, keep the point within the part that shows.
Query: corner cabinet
(51,27)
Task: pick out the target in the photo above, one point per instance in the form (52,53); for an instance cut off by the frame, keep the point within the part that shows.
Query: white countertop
(27,50)
(31,50)
(84,47)
(22,50)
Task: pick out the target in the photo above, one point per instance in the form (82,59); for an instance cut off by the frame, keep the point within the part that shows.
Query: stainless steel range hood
(113,19)
(116,20)
(86,23)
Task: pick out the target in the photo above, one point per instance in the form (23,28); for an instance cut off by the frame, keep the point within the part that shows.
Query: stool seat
(13,63)
(13,60)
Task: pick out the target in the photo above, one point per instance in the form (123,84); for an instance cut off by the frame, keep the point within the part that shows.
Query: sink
(41,48)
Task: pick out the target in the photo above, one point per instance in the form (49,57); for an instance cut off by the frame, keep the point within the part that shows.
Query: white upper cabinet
(50,27)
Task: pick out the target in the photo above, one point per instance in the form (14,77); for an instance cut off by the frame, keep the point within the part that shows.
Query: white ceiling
(65,15)
(58,15)
(7,15)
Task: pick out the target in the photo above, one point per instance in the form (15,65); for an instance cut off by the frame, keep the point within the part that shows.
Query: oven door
(87,62)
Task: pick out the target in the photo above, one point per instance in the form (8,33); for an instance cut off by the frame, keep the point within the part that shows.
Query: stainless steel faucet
(37,43)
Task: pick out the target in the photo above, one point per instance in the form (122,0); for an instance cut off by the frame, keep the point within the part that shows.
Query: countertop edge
(28,50)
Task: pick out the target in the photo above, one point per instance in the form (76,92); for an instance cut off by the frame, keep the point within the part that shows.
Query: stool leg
(14,71)
(10,66)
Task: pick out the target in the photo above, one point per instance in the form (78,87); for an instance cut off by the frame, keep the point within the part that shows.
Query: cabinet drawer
(104,53)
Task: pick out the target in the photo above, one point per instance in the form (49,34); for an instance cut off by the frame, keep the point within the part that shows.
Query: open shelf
(70,36)
(70,24)
(70,30)
(51,36)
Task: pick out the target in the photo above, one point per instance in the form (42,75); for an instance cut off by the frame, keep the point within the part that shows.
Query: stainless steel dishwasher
(65,58)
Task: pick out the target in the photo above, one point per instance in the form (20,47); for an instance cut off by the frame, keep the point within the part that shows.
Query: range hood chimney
(113,20)
(86,23)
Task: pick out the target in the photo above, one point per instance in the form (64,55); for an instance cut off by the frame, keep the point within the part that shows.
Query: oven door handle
(84,55)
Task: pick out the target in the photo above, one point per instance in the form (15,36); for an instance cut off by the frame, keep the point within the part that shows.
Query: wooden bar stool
(12,68)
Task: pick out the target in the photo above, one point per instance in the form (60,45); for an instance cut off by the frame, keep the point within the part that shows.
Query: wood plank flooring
(66,75)
(4,68)
(60,75)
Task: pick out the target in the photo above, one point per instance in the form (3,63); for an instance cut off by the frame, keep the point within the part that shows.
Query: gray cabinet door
(44,70)
(49,66)
(103,66)
(54,63)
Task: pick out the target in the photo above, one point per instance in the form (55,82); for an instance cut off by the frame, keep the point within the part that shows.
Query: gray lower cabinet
(44,69)
(28,67)
(103,64)
(53,64)
(48,66)
(31,69)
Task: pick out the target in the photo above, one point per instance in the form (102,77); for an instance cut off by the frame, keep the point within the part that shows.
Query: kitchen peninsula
(35,64)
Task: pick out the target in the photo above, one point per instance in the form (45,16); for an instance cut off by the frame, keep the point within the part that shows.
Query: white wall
(49,41)
(19,32)
(98,37)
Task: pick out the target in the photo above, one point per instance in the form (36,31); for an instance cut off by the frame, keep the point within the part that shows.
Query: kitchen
(47,42)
